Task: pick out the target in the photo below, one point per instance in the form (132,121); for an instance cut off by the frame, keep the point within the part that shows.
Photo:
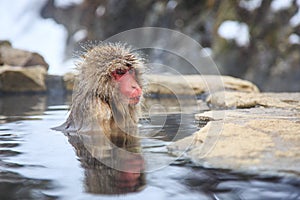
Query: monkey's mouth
(134,100)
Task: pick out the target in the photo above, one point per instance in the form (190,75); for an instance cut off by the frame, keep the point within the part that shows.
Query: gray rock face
(17,57)
(21,71)
(262,139)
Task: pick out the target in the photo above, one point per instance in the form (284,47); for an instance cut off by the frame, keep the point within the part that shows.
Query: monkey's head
(109,83)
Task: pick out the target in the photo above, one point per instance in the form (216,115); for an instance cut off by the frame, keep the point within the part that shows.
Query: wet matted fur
(97,102)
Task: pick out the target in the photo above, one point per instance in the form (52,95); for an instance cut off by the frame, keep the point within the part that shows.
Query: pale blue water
(39,163)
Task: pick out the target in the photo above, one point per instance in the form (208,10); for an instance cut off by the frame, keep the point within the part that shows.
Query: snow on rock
(66,3)
(278,5)
(234,30)
(80,35)
(295,20)
(294,39)
(172,4)
(250,5)
(100,11)
(27,30)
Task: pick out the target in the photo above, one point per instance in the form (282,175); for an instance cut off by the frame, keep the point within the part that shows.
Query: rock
(20,79)
(185,84)
(259,140)
(196,84)
(16,57)
(248,100)
(5,43)
(69,79)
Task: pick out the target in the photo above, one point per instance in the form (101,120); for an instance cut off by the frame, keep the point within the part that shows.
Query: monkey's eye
(121,71)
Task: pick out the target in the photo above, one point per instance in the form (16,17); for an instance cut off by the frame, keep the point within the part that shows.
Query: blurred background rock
(251,39)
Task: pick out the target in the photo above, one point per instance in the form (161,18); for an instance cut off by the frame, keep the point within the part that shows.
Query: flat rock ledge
(185,84)
(262,138)
(195,84)
(235,99)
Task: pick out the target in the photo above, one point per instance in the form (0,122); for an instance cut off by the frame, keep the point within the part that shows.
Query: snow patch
(278,5)
(250,5)
(66,3)
(80,35)
(234,30)
(171,4)
(295,20)
(294,39)
(100,11)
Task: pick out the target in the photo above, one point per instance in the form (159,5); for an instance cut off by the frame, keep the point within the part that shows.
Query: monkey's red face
(129,87)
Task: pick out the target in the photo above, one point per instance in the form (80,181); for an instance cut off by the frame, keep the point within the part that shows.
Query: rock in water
(196,84)
(22,79)
(69,79)
(262,139)
(234,99)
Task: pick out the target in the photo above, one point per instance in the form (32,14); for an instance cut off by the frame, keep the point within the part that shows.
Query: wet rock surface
(261,139)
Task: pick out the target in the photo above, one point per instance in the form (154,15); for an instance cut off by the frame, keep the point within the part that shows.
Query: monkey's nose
(137,89)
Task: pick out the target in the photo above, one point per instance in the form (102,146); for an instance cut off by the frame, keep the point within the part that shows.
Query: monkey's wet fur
(107,90)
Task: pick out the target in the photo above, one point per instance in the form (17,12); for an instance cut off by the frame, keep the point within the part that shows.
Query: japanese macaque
(107,91)
(102,124)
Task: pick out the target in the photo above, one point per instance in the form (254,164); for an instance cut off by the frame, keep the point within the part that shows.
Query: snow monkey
(107,90)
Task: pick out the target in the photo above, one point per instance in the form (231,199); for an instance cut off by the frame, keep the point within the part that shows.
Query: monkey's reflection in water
(110,168)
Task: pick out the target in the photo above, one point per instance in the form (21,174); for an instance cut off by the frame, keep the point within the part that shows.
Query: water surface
(39,163)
